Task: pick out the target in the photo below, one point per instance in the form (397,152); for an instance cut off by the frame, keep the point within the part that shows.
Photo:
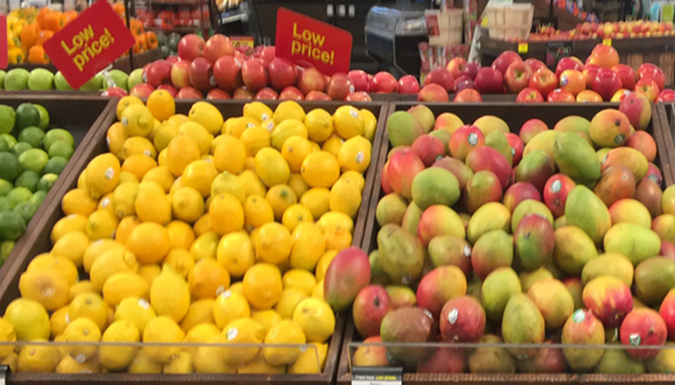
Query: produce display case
(37,241)
(515,115)
(666,114)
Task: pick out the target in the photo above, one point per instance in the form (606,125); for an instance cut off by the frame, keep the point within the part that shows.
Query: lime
(6,248)
(38,197)
(12,225)
(34,159)
(11,141)
(33,136)
(57,134)
(20,147)
(11,167)
(5,204)
(5,187)
(26,210)
(55,165)
(46,182)
(28,179)
(18,195)
(7,119)
(62,149)
(44,116)
(4,146)
(27,115)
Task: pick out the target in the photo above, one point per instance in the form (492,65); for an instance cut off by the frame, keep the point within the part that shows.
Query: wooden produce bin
(38,241)
(665,112)
(515,115)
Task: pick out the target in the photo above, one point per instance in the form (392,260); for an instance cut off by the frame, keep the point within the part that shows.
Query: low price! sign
(88,44)
(304,40)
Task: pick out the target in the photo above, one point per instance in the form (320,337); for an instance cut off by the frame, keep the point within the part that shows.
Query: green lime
(44,116)
(5,187)
(11,141)
(7,119)
(5,204)
(55,165)
(19,194)
(12,225)
(38,197)
(4,146)
(20,147)
(27,115)
(58,134)
(26,210)
(62,149)
(46,182)
(28,179)
(6,248)
(33,136)
(34,159)
(11,167)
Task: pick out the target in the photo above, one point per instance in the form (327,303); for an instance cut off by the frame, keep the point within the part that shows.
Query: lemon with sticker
(286,129)
(257,111)
(102,175)
(136,311)
(354,154)
(295,150)
(254,139)
(348,122)
(81,330)
(137,120)
(229,307)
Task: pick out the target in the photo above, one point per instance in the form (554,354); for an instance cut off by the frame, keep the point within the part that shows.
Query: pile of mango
(554,235)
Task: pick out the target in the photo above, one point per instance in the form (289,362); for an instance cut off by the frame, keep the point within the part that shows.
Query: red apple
(489,81)
(590,70)
(567,63)
(291,93)
(529,95)
(189,93)
(386,83)
(408,84)
(218,46)
(535,64)
(191,47)
(504,60)
(173,59)
(433,93)
(339,86)
(471,69)
(441,76)
(317,95)
(282,73)
(114,92)
(648,70)
(266,94)
(544,81)
(168,88)
(267,54)
(311,79)
(666,95)
(604,56)
(242,92)
(463,83)
(517,76)
(159,73)
(227,73)
(360,80)
(201,75)
(560,96)
(372,83)
(142,90)
(468,95)
(456,67)
(254,74)
(606,83)
(180,74)
(648,87)
(218,93)
(627,75)
(359,96)
(588,96)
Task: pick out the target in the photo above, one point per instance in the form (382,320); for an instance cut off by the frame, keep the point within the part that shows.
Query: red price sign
(302,39)
(3,41)
(88,44)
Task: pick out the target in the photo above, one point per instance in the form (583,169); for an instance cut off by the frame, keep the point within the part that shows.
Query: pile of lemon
(195,229)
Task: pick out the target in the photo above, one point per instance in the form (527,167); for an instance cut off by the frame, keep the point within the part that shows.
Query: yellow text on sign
(308,43)
(85,46)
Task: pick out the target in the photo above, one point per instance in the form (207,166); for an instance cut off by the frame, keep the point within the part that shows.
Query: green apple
(2,79)
(16,79)
(40,79)
(61,83)
(93,84)
(136,77)
(120,79)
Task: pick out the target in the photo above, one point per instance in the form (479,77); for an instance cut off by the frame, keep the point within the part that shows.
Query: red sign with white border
(304,40)
(88,44)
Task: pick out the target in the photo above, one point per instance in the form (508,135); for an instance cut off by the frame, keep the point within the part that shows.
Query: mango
(583,328)
(664,362)
(609,299)
(458,168)
(649,194)
(492,250)
(576,288)
(577,125)
(444,137)
(498,141)
(439,220)
(654,277)
(443,360)
(396,149)
(462,319)
(543,141)
(450,250)
(616,183)
(435,186)
(390,209)
(377,275)
(609,128)
(490,123)
(491,358)
(536,167)
(402,170)
(401,254)
(630,211)
(403,128)
(448,122)
(411,218)
(534,239)
(522,324)
(573,249)
(491,216)
(559,222)
(664,227)
(527,207)
(609,264)
(409,325)
(576,158)
(487,158)
(668,200)
(527,279)
(643,327)
(424,115)
(556,190)
(530,129)
(634,241)
(346,275)
(617,361)
(497,289)
(439,286)
(483,187)
(465,140)
(630,158)
(586,211)
(547,361)
(602,153)
(519,192)
(371,355)
(638,110)
(401,296)
(553,300)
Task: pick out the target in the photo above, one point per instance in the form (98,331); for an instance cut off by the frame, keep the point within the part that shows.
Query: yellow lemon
(226,213)
(118,357)
(201,333)
(187,204)
(102,175)
(138,145)
(80,287)
(205,246)
(273,243)
(38,358)
(126,226)
(318,291)
(91,306)
(127,177)
(319,125)
(250,164)
(296,214)
(78,201)
(182,151)
(72,247)
(123,200)
(289,300)
(152,204)
(96,249)
(260,366)
(370,124)
(252,184)
(355,177)
(101,224)
(161,158)
(268,125)
(207,360)
(271,167)
(228,183)
(162,175)
(207,115)
(297,184)
(295,149)
(262,286)
(149,242)
(236,126)
(241,331)
(142,363)
(179,364)
(348,122)
(208,279)
(280,197)
(316,319)
(354,155)
(78,331)
(288,109)
(299,279)
(46,287)
(161,105)
(138,165)
(320,169)
(197,132)
(332,145)
(28,318)
(257,111)
(286,129)
(199,175)
(230,155)
(69,224)
(336,220)
(56,264)
(169,294)
(106,203)
(337,239)
(254,139)
(58,321)
(178,119)
(126,102)
(136,311)
(323,264)
(162,330)
(203,225)
(230,307)
(236,253)
(308,246)
(316,200)
(164,135)
(285,332)
(137,120)
(266,318)
(307,362)
(181,235)
(181,261)
(124,285)
(200,312)
(257,212)
(110,263)
(345,197)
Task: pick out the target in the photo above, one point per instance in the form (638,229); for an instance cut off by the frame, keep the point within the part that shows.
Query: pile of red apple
(608,30)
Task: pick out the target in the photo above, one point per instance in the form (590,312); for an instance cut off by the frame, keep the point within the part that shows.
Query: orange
(149,242)
(208,279)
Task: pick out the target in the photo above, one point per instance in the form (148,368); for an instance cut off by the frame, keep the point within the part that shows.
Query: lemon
(199,313)
(81,330)
(280,198)
(268,125)
(307,362)
(271,167)
(38,358)
(91,306)
(203,225)
(250,164)
(205,246)
(370,124)
(57,322)
(137,120)
(197,132)
(296,214)
(295,149)
(332,145)
(106,203)
(323,264)
(138,165)
(81,183)
(230,155)
(356,178)
(252,184)
(336,220)
(207,115)
(68,365)
(262,286)
(230,306)
(299,279)
(345,197)
(181,261)
(257,111)
(165,133)
(124,285)
(236,126)
(161,105)
(127,177)
(46,287)
(236,253)
(96,249)
(110,263)
(289,300)
(316,319)
(354,155)
(179,364)
(226,213)
(162,330)
(115,139)
(126,102)
(180,235)
(285,332)
(230,184)
(208,279)
(152,204)
(123,200)
(56,264)
(254,139)
(80,287)
(297,184)
(182,150)
(320,169)
(28,318)
(349,122)
(170,295)
(162,175)
(316,200)
(136,311)
(102,224)
(102,175)
(137,145)
(257,212)
(318,291)
(266,318)
(178,119)
(142,363)
(187,204)
(69,224)
(149,242)
(319,125)
(11,361)
(149,273)
(273,244)
(260,366)
(118,357)
(208,360)
(199,175)
(308,246)
(288,109)
(337,239)
(287,129)
(201,334)
(78,201)
(241,331)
